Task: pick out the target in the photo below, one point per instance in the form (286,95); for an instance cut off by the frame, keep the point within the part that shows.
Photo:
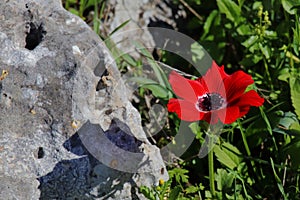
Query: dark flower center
(210,101)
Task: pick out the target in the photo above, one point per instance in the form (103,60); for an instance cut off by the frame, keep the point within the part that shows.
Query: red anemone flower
(213,97)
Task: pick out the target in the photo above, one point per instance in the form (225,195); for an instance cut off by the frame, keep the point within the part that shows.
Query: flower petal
(222,71)
(213,79)
(250,98)
(244,110)
(229,115)
(184,109)
(207,117)
(185,88)
(236,85)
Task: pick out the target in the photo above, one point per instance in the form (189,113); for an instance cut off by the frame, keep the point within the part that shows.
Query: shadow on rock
(86,177)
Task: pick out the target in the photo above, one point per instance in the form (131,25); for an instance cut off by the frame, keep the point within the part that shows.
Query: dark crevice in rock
(133,192)
(28,14)
(35,36)
(0,90)
(40,153)
(101,85)
(70,70)
(108,112)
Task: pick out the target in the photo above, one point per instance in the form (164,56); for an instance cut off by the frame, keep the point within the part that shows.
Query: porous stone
(62,93)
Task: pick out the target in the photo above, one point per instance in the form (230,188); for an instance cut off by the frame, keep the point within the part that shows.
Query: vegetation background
(258,156)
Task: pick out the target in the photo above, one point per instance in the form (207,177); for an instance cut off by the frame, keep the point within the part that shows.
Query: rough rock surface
(141,14)
(61,96)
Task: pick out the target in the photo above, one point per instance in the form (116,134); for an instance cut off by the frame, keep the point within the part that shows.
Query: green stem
(81,8)
(211,168)
(246,144)
(244,138)
(67,6)
(96,18)
(269,128)
(268,73)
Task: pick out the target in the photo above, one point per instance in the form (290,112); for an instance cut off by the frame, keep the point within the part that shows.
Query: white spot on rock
(76,50)
(70,21)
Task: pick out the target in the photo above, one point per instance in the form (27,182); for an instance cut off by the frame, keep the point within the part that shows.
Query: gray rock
(68,130)
(141,14)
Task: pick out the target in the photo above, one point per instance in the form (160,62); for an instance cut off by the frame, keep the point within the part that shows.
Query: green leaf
(292,150)
(195,128)
(116,52)
(157,89)
(127,58)
(269,127)
(159,73)
(296,39)
(174,193)
(285,123)
(216,47)
(230,9)
(119,27)
(295,93)
(147,192)
(74,11)
(254,48)
(295,127)
(97,16)
(92,3)
(241,2)
(250,41)
(224,179)
(257,131)
(143,81)
(213,16)
(288,119)
(244,29)
(192,189)
(179,174)
(198,52)
(265,50)
(279,183)
(284,75)
(270,34)
(290,5)
(256,5)
(228,155)
(72,1)
(164,188)
(251,59)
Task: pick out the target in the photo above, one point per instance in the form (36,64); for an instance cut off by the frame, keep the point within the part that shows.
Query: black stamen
(210,101)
